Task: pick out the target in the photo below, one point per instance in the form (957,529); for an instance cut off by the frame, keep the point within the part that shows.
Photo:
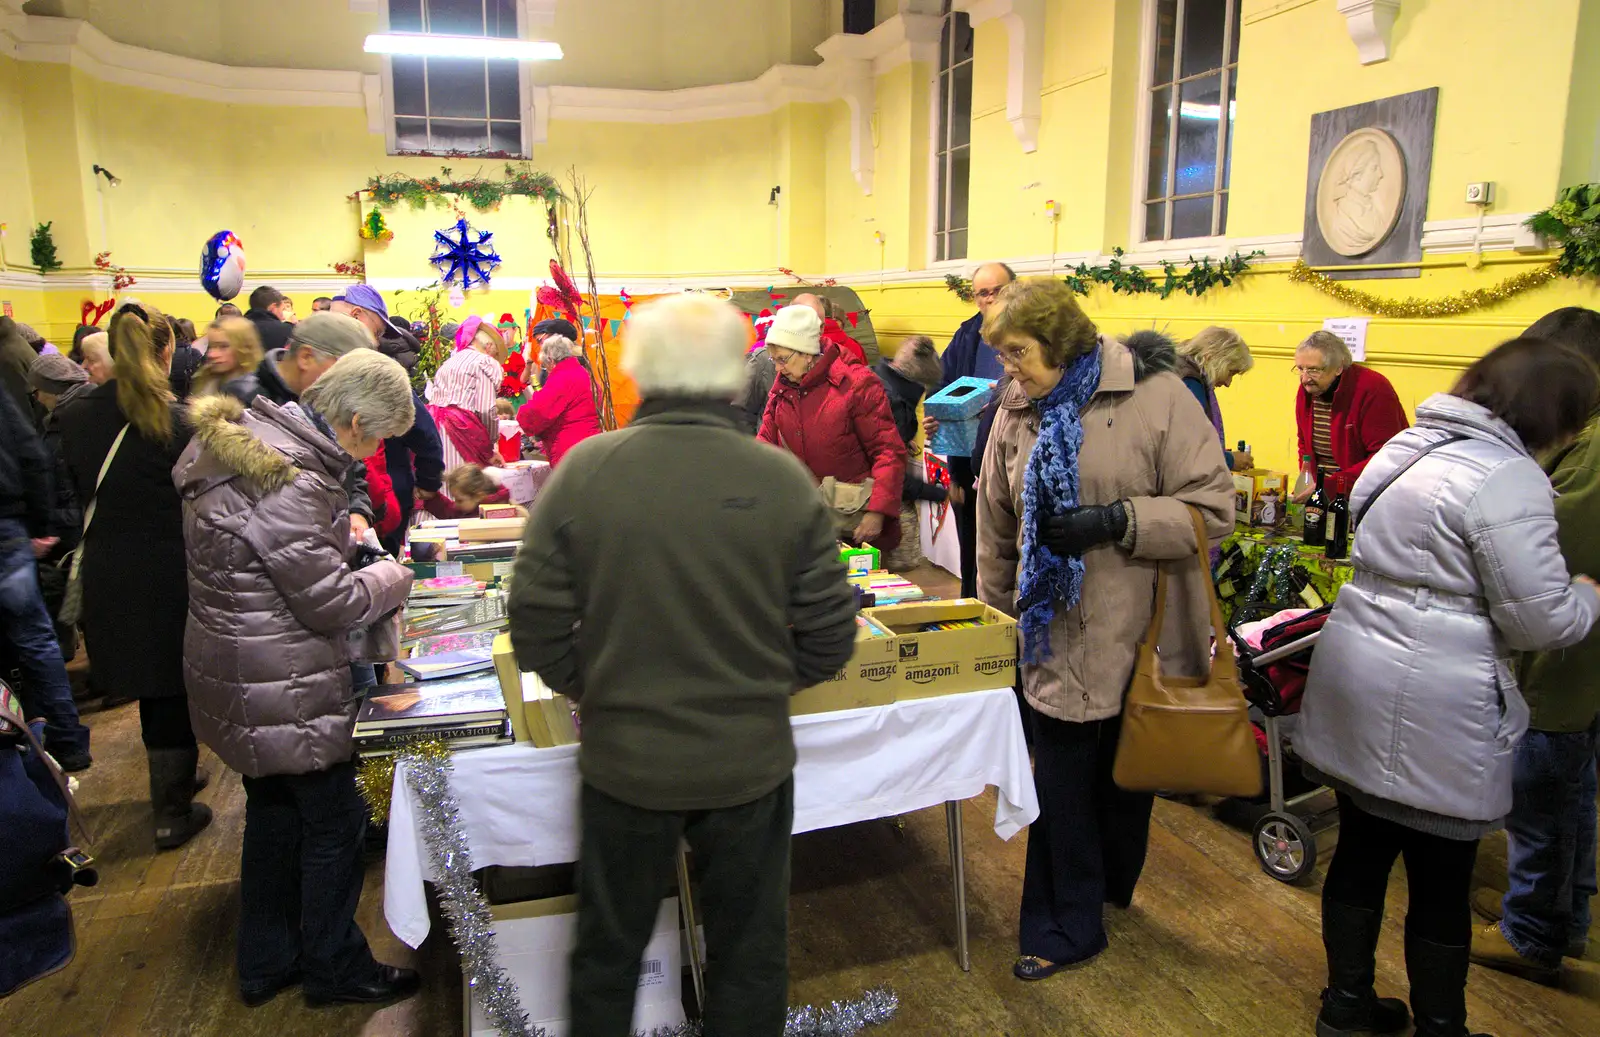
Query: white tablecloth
(519,804)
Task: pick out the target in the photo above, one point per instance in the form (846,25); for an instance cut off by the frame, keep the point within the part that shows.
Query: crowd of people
(228,522)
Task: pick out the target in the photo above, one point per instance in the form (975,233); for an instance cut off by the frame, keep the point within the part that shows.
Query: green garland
(1574,221)
(1129,279)
(482,192)
(42,248)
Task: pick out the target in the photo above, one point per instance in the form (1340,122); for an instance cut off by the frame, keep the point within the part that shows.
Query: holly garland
(1131,279)
(482,192)
(1574,222)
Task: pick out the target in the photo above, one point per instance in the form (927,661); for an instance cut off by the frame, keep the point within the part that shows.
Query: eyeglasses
(1013,357)
(1312,371)
(781,357)
(988,293)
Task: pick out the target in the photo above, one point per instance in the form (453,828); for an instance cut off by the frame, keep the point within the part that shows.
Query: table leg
(958,877)
(691,929)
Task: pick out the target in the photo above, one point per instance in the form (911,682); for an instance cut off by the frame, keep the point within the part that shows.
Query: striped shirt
(468,380)
(1322,431)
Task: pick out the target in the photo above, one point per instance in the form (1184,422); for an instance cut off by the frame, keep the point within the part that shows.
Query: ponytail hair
(143,393)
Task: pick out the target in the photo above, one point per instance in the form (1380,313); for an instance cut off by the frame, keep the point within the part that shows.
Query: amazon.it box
(946,647)
(868,679)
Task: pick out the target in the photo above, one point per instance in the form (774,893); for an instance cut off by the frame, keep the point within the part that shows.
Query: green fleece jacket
(1563,687)
(681,580)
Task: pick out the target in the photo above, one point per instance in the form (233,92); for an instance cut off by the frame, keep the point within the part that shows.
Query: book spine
(405,736)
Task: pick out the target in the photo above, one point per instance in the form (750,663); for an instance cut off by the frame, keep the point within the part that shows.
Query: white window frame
(525,20)
(939,205)
(1141,155)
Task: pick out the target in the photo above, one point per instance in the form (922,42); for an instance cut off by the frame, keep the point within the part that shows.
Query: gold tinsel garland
(1449,306)
(375,775)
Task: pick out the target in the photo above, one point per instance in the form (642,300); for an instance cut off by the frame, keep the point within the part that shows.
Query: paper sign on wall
(1353,330)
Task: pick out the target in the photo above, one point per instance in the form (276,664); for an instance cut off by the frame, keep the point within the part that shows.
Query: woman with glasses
(1344,412)
(834,416)
(1096,456)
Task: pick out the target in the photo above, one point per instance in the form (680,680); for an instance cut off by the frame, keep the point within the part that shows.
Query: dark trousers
(30,634)
(300,881)
(967,533)
(164,723)
(625,867)
(1086,848)
(1550,843)
(1440,872)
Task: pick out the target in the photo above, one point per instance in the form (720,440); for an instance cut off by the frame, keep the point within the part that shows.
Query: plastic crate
(957,407)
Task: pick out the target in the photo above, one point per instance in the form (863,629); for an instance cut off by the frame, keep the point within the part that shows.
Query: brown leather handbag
(1187,734)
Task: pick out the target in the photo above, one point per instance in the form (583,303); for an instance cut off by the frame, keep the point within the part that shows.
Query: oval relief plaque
(1362,188)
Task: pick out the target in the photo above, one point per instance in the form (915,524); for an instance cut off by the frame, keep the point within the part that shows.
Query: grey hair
(98,344)
(367,384)
(1335,353)
(556,348)
(687,345)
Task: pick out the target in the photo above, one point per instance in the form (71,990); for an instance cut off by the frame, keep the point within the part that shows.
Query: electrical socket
(1481,193)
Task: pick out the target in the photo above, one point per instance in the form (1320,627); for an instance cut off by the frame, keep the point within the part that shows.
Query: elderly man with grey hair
(1344,412)
(681,628)
(272,602)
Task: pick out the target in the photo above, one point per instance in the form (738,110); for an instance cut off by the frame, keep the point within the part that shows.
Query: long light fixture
(440,46)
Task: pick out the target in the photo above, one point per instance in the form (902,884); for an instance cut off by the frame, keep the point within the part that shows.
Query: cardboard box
(538,715)
(524,479)
(859,561)
(535,939)
(1260,498)
(946,662)
(868,679)
(502,511)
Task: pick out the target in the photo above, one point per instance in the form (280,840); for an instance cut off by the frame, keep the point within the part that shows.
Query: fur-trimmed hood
(267,444)
(1152,351)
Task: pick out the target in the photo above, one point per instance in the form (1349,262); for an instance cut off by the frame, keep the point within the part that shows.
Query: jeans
(1087,847)
(363,678)
(300,881)
(1550,843)
(45,691)
(625,867)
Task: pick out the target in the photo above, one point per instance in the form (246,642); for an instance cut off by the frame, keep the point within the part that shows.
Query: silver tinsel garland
(472,926)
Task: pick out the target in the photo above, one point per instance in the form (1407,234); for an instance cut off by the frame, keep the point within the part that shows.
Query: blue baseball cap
(366,297)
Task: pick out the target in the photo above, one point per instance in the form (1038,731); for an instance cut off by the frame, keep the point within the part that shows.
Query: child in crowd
(509,445)
(467,486)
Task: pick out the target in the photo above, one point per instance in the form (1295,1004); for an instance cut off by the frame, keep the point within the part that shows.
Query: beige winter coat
(1146,441)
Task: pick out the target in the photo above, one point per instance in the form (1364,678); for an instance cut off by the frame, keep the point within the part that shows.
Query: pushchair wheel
(1285,846)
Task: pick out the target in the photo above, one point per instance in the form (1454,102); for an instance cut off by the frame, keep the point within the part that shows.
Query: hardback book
(462,701)
(487,613)
(451,734)
(448,664)
(538,714)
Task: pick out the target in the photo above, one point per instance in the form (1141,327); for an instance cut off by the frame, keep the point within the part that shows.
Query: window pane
(452,135)
(1166,33)
(940,223)
(405,15)
(1233,50)
(961,106)
(1160,134)
(1222,228)
(408,93)
(958,245)
(505,136)
(1199,114)
(944,45)
(1155,222)
(456,17)
(1202,35)
(1227,155)
(502,18)
(455,88)
(963,30)
(1191,218)
(504,96)
(960,169)
(411,134)
(942,141)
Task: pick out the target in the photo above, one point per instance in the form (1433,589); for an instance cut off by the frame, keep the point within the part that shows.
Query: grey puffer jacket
(1411,697)
(266,525)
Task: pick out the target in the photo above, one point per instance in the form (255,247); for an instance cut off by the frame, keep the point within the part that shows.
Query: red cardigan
(1366,415)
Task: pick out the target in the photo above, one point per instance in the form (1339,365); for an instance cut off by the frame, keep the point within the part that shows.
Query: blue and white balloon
(222,265)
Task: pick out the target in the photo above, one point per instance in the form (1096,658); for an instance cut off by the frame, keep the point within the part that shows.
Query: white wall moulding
(538,116)
(774,88)
(1370,22)
(1024,22)
(372,93)
(848,61)
(903,38)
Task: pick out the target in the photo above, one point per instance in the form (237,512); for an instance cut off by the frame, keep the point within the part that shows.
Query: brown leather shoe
(1487,901)
(1491,949)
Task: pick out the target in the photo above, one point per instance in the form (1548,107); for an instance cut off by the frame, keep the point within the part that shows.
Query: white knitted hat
(797,328)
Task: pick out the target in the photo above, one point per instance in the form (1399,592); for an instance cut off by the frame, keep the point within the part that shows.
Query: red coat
(380,487)
(1366,415)
(561,415)
(833,334)
(837,421)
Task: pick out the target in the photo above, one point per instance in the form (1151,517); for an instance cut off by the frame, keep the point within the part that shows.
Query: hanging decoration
(374,227)
(120,278)
(1574,222)
(1203,275)
(42,248)
(1411,306)
(91,313)
(937,473)
(457,297)
(464,260)
(826,283)
(563,296)
(482,192)
(356,268)
(222,265)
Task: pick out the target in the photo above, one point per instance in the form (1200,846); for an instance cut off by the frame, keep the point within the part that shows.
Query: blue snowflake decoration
(463,259)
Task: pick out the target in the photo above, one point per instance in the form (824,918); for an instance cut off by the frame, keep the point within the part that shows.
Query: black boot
(1438,987)
(1350,1006)
(177,818)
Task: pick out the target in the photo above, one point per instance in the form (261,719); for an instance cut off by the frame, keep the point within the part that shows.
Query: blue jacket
(969,356)
(418,451)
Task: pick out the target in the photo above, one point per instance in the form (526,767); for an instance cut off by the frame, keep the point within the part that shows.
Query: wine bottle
(1338,522)
(1315,531)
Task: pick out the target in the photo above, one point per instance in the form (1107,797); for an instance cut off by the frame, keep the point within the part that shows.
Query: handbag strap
(1401,470)
(1222,662)
(88,512)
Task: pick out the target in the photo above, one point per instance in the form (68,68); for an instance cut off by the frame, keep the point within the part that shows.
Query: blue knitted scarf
(1049,487)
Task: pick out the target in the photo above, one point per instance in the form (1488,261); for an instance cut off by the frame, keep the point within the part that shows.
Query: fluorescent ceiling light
(436,46)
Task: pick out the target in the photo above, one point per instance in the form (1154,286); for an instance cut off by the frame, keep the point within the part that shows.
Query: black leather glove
(1073,532)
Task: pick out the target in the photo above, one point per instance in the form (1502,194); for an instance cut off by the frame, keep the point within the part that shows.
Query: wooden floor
(1211,945)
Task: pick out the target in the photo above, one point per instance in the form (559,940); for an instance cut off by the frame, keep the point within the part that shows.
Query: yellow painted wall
(16,185)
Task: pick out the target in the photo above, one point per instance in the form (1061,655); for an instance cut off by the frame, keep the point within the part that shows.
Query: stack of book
(467,713)
(485,613)
(888,588)
(439,591)
(538,714)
